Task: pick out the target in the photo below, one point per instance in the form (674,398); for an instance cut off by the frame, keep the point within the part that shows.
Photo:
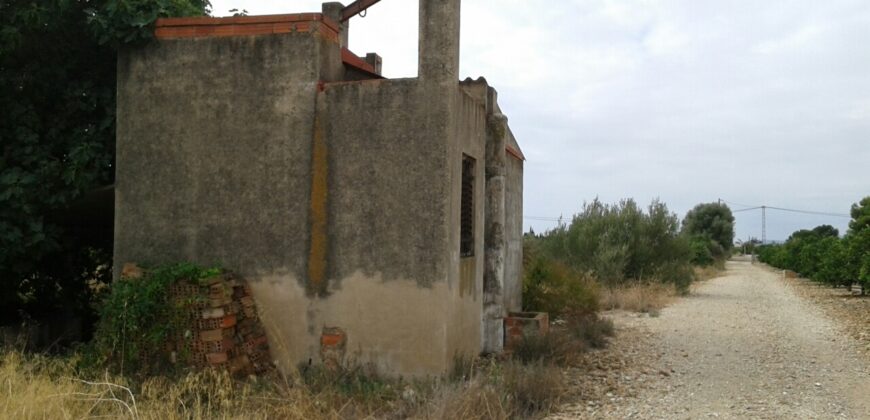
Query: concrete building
(390,209)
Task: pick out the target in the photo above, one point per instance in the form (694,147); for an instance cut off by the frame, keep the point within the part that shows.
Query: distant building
(387,209)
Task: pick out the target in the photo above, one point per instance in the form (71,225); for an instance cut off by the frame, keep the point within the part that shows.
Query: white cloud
(798,40)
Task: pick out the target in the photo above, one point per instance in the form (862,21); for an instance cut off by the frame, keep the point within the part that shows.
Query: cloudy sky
(754,102)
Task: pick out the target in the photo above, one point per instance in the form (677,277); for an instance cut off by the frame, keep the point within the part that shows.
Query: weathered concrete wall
(339,200)
(438,52)
(388,173)
(513,270)
(388,240)
(468,138)
(213,146)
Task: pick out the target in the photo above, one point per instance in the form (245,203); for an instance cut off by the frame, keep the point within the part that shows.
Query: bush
(137,318)
(820,255)
(617,243)
(701,254)
(713,221)
(551,286)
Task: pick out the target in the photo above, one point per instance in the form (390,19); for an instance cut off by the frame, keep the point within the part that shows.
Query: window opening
(466,222)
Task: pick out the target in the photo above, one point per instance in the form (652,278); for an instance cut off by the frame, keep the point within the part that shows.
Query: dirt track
(743,345)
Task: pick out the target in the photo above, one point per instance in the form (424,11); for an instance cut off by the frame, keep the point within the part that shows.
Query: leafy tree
(860,213)
(712,220)
(621,242)
(857,242)
(825,231)
(57,132)
(831,267)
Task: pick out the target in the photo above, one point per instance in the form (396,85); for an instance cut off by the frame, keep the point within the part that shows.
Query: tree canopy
(711,220)
(57,92)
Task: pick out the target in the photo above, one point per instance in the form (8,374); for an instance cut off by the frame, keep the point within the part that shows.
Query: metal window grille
(466,222)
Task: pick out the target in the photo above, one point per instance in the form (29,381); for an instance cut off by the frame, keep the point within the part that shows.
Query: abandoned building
(385,211)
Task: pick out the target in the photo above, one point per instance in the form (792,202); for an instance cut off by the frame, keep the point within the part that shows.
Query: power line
(817,213)
(742,205)
(764,215)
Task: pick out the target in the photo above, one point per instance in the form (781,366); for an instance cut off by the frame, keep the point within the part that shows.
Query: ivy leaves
(125,22)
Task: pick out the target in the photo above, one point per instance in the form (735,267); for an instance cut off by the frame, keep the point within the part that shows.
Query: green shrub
(617,243)
(713,221)
(832,267)
(136,319)
(551,286)
(701,254)
(819,254)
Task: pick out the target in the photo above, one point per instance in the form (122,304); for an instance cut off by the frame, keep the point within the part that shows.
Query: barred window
(466,222)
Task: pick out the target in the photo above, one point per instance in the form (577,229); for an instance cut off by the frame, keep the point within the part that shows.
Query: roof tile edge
(206,26)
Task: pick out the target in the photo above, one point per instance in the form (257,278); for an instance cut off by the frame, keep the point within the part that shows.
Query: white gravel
(741,346)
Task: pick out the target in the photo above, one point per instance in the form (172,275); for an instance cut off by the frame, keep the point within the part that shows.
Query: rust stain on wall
(319,173)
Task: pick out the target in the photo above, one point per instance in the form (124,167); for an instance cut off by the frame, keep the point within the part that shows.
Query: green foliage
(711,220)
(551,286)
(130,22)
(831,267)
(822,256)
(619,242)
(57,93)
(136,318)
(860,213)
(701,253)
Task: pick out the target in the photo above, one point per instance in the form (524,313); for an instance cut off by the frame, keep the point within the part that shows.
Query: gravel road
(740,346)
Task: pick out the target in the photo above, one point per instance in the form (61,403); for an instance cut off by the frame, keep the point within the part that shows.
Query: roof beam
(356,8)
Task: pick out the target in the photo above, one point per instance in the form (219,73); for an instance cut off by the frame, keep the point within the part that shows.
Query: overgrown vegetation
(37,387)
(109,377)
(135,320)
(617,246)
(710,229)
(823,256)
(57,93)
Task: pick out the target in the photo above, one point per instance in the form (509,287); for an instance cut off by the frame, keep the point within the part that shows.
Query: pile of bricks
(216,324)
(519,325)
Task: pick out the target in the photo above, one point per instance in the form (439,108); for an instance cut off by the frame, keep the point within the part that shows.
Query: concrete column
(439,41)
(332,10)
(494,230)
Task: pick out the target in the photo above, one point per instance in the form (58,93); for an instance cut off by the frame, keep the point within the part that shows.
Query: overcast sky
(754,102)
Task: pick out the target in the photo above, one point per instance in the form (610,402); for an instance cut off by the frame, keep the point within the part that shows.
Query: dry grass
(40,387)
(709,272)
(646,298)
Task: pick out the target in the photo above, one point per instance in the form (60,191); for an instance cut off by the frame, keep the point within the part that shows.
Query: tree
(713,221)
(57,93)
(857,241)
(825,231)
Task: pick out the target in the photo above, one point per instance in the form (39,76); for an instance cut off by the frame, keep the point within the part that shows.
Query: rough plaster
(341,200)
(404,332)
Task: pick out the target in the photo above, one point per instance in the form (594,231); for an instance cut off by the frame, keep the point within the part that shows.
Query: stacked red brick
(217,325)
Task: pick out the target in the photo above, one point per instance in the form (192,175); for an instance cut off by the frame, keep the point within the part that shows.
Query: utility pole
(763,225)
